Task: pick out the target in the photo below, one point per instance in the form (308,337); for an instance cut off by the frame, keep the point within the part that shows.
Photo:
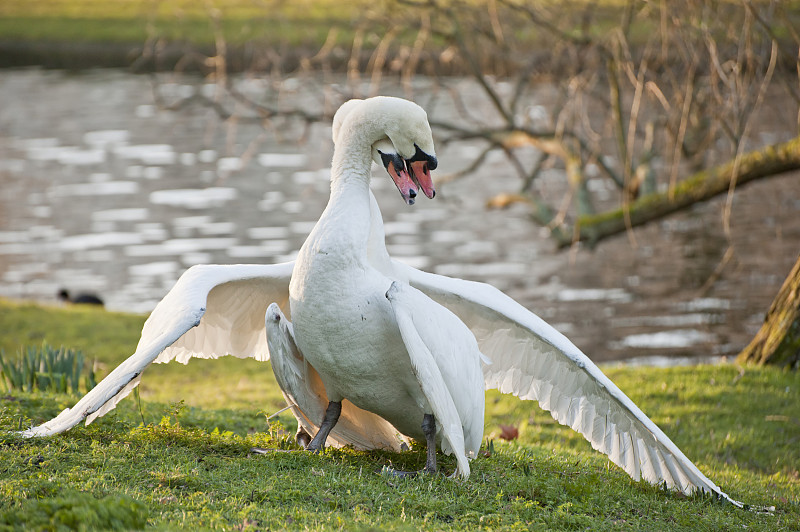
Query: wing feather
(532,360)
(208,313)
(406,302)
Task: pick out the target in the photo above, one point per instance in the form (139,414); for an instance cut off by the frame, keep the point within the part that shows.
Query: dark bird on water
(80,299)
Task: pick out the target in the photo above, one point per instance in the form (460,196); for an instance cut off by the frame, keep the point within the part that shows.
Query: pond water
(104,191)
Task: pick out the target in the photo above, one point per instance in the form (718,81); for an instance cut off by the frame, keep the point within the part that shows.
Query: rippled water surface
(103,191)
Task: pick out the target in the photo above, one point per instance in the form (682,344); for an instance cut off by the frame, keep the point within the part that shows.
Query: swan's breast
(346,329)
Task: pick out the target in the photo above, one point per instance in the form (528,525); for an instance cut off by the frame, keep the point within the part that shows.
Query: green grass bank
(166,34)
(120,33)
(134,21)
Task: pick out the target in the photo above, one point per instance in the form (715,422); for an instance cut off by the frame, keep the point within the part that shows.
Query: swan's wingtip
(35,432)
(273,313)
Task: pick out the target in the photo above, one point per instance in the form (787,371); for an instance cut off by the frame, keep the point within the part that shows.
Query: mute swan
(336,336)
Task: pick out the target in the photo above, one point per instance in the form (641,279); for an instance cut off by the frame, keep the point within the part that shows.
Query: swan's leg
(331,417)
(429,429)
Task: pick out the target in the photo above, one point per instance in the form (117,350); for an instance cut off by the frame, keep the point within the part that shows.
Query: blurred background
(626,170)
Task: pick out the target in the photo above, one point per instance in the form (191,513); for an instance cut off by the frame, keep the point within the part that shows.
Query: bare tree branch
(764,163)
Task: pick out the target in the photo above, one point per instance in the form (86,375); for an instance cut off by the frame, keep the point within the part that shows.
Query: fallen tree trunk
(778,340)
(766,162)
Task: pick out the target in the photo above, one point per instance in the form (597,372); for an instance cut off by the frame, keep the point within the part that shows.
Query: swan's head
(406,175)
(406,151)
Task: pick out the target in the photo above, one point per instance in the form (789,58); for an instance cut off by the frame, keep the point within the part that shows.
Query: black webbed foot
(304,439)
(397,473)
(429,429)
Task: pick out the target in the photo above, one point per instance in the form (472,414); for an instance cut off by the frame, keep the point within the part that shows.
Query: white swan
(353,306)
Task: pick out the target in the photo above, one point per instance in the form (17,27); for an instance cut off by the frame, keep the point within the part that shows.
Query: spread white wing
(531,360)
(212,311)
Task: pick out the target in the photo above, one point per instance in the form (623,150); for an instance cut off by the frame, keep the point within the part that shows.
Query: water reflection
(104,192)
(200,199)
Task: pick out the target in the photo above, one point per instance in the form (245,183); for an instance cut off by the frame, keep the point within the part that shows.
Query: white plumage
(414,342)
(305,394)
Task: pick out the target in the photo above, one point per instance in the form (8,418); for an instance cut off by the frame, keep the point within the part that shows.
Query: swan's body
(343,323)
(395,342)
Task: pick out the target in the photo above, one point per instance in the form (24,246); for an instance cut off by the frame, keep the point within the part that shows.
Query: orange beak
(407,187)
(421,174)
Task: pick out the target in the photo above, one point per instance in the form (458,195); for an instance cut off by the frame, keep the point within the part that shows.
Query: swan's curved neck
(344,227)
(350,169)
(352,156)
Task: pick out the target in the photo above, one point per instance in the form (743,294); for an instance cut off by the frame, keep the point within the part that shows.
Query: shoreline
(148,57)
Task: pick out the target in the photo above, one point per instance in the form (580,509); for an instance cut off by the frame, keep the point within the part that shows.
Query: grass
(169,464)
(304,23)
(133,21)
(46,368)
(85,33)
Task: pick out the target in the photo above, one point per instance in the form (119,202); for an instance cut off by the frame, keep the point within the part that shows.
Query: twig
(740,149)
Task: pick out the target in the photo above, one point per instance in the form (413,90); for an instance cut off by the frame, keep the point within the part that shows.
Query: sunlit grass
(108,338)
(301,22)
(178,456)
(133,21)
